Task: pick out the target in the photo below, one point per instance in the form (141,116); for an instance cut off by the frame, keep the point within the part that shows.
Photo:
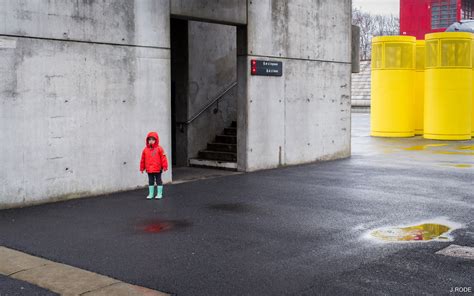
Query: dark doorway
(179,90)
(203,94)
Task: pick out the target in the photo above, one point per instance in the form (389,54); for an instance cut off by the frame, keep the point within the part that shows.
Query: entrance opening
(203,97)
(179,90)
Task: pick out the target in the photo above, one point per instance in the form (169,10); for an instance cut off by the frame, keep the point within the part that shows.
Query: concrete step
(222,147)
(226,139)
(216,155)
(204,163)
(231,131)
(360,109)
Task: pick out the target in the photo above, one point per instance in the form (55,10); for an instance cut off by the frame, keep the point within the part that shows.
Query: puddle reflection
(159,226)
(422,232)
(423,147)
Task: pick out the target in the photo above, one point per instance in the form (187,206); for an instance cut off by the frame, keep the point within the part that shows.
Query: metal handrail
(216,99)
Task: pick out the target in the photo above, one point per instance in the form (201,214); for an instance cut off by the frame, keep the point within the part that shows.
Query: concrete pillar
(304,115)
(355,52)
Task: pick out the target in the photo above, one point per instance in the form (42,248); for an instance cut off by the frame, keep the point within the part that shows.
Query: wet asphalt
(12,287)
(291,231)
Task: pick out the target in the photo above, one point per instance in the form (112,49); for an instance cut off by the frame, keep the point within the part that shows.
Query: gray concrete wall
(212,68)
(74,115)
(304,115)
(355,53)
(223,11)
(132,22)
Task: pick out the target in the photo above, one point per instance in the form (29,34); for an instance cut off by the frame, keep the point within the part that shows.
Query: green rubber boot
(159,195)
(151,192)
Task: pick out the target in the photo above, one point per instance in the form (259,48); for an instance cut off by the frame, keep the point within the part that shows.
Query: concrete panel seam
(82,41)
(297,59)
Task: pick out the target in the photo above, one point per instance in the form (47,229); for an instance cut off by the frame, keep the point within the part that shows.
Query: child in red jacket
(154,162)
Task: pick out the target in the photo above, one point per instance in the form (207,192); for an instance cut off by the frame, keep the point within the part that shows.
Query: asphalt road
(291,231)
(12,287)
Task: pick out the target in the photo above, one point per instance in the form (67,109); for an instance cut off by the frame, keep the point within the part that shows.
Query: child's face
(151,141)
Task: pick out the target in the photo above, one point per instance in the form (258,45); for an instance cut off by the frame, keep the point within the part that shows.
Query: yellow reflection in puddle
(466,147)
(423,232)
(458,165)
(452,153)
(463,165)
(423,147)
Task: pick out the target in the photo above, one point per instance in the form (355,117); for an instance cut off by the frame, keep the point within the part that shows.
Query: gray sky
(378,6)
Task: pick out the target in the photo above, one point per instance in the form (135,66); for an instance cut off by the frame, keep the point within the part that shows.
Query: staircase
(360,93)
(220,154)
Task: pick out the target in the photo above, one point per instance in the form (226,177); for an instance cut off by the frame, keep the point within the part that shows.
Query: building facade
(419,17)
(83,82)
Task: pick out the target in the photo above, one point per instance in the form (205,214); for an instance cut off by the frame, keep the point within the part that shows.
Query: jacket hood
(153,135)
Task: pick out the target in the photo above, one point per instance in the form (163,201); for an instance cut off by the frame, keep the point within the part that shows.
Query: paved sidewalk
(188,174)
(62,279)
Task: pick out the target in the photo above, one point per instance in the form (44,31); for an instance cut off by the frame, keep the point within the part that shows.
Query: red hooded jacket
(154,157)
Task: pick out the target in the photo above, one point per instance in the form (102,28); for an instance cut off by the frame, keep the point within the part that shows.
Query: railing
(207,106)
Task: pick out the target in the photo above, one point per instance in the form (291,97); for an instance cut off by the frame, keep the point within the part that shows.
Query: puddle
(466,147)
(230,207)
(159,226)
(421,232)
(423,147)
(462,166)
(452,153)
(456,165)
(428,231)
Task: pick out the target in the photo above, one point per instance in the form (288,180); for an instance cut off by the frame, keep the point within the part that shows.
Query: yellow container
(393,75)
(472,118)
(419,87)
(448,86)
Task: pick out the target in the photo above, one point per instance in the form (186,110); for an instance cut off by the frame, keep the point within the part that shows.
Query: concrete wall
(223,11)
(212,68)
(80,86)
(133,22)
(82,82)
(304,115)
(355,49)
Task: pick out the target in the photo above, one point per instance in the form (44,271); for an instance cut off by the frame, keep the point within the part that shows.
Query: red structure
(419,17)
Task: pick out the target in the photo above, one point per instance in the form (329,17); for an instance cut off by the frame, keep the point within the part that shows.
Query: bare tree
(371,26)
(386,25)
